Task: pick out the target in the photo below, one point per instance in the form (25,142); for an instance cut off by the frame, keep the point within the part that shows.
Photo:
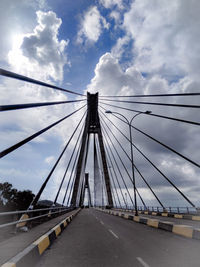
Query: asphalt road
(98,239)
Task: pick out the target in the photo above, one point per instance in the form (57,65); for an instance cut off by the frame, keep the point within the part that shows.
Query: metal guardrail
(28,211)
(48,213)
(179,210)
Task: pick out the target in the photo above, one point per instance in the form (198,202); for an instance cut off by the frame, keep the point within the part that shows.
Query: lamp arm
(135,116)
(121,116)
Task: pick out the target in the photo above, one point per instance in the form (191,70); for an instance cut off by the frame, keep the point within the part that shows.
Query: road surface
(98,239)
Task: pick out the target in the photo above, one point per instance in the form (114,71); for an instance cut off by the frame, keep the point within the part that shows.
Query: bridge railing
(30,217)
(179,210)
(189,210)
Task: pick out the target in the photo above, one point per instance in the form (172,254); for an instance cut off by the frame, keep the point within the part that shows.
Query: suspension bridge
(138,234)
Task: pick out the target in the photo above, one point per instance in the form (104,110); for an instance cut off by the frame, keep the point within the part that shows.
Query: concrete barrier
(172,215)
(30,255)
(183,230)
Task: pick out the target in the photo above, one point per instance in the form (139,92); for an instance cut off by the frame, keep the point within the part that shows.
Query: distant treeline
(12,199)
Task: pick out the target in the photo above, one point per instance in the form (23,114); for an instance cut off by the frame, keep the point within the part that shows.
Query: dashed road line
(113,233)
(144,264)
(102,222)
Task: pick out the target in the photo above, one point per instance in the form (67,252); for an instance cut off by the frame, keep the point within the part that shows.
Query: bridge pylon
(92,126)
(86,186)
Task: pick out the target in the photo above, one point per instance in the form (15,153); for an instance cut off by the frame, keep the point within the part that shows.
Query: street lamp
(130,134)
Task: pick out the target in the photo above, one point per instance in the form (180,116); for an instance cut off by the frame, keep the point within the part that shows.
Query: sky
(112,47)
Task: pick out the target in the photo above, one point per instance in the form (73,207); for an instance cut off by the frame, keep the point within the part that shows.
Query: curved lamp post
(130,134)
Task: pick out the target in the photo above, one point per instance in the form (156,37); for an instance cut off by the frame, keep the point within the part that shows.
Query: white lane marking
(102,222)
(144,264)
(113,233)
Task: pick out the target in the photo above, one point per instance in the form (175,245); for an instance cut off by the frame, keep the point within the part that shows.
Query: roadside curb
(168,214)
(179,229)
(30,255)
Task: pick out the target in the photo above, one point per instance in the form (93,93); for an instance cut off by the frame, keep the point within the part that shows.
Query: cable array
(72,170)
(118,181)
(163,175)
(67,168)
(153,103)
(151,95)
(34,105)
(28,139)
(35,200)
(151,114)
(159,142)
(111,170)
(13,107)
(106,133)
(119,171)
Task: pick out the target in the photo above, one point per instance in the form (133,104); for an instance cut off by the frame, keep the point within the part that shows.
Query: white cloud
(16,17)
(118,49)
(40,50)
(115,15)
(166,36)
(92,26)
(49,159)
(111,79)
(112,3)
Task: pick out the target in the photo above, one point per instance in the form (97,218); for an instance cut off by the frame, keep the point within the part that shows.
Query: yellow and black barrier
(30,255)
(168,214)
(183,230)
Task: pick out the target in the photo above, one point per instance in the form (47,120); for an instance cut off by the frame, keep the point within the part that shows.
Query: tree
(12,199)
(23,199)
(7,196)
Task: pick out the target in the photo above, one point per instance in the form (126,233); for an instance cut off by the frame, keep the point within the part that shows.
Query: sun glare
(17,41)
(15,56)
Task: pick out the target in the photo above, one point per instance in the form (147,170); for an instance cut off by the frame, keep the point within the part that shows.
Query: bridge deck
(17,242)
(98,239)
